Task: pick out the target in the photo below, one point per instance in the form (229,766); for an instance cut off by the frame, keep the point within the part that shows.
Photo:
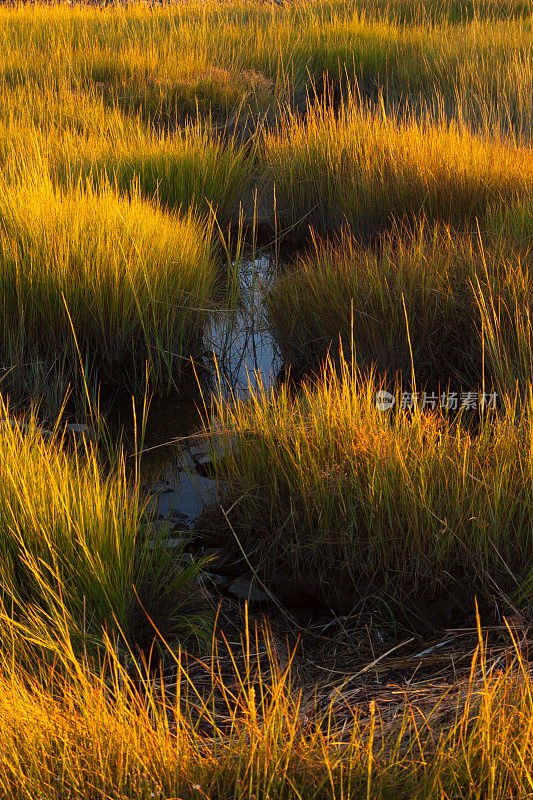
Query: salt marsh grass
(72,134)
(106,283)
(75,564)
(453,306)
(255,733)
(393,139)
(358,505)
(366,169)
(405,302)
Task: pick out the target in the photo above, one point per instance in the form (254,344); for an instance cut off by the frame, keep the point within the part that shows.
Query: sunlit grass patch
(151,62)
(252,732)
(101,87)
(166,94)
(427,11)
(365,170)
(357,506)
(71,134)
(75,566)
(121,129)
(193,168)
(218,58)
(104,282)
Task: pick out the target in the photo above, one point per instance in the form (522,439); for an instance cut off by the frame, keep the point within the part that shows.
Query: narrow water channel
(241,354)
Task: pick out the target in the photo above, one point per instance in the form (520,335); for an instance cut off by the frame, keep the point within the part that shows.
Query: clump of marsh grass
(505,311)
(454,306)
(193,168)
(366,169)
(255,733)
(75,566)
(136,78)
(101,282)
(75,135)
(504,301)
(353,505)
(405,302)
